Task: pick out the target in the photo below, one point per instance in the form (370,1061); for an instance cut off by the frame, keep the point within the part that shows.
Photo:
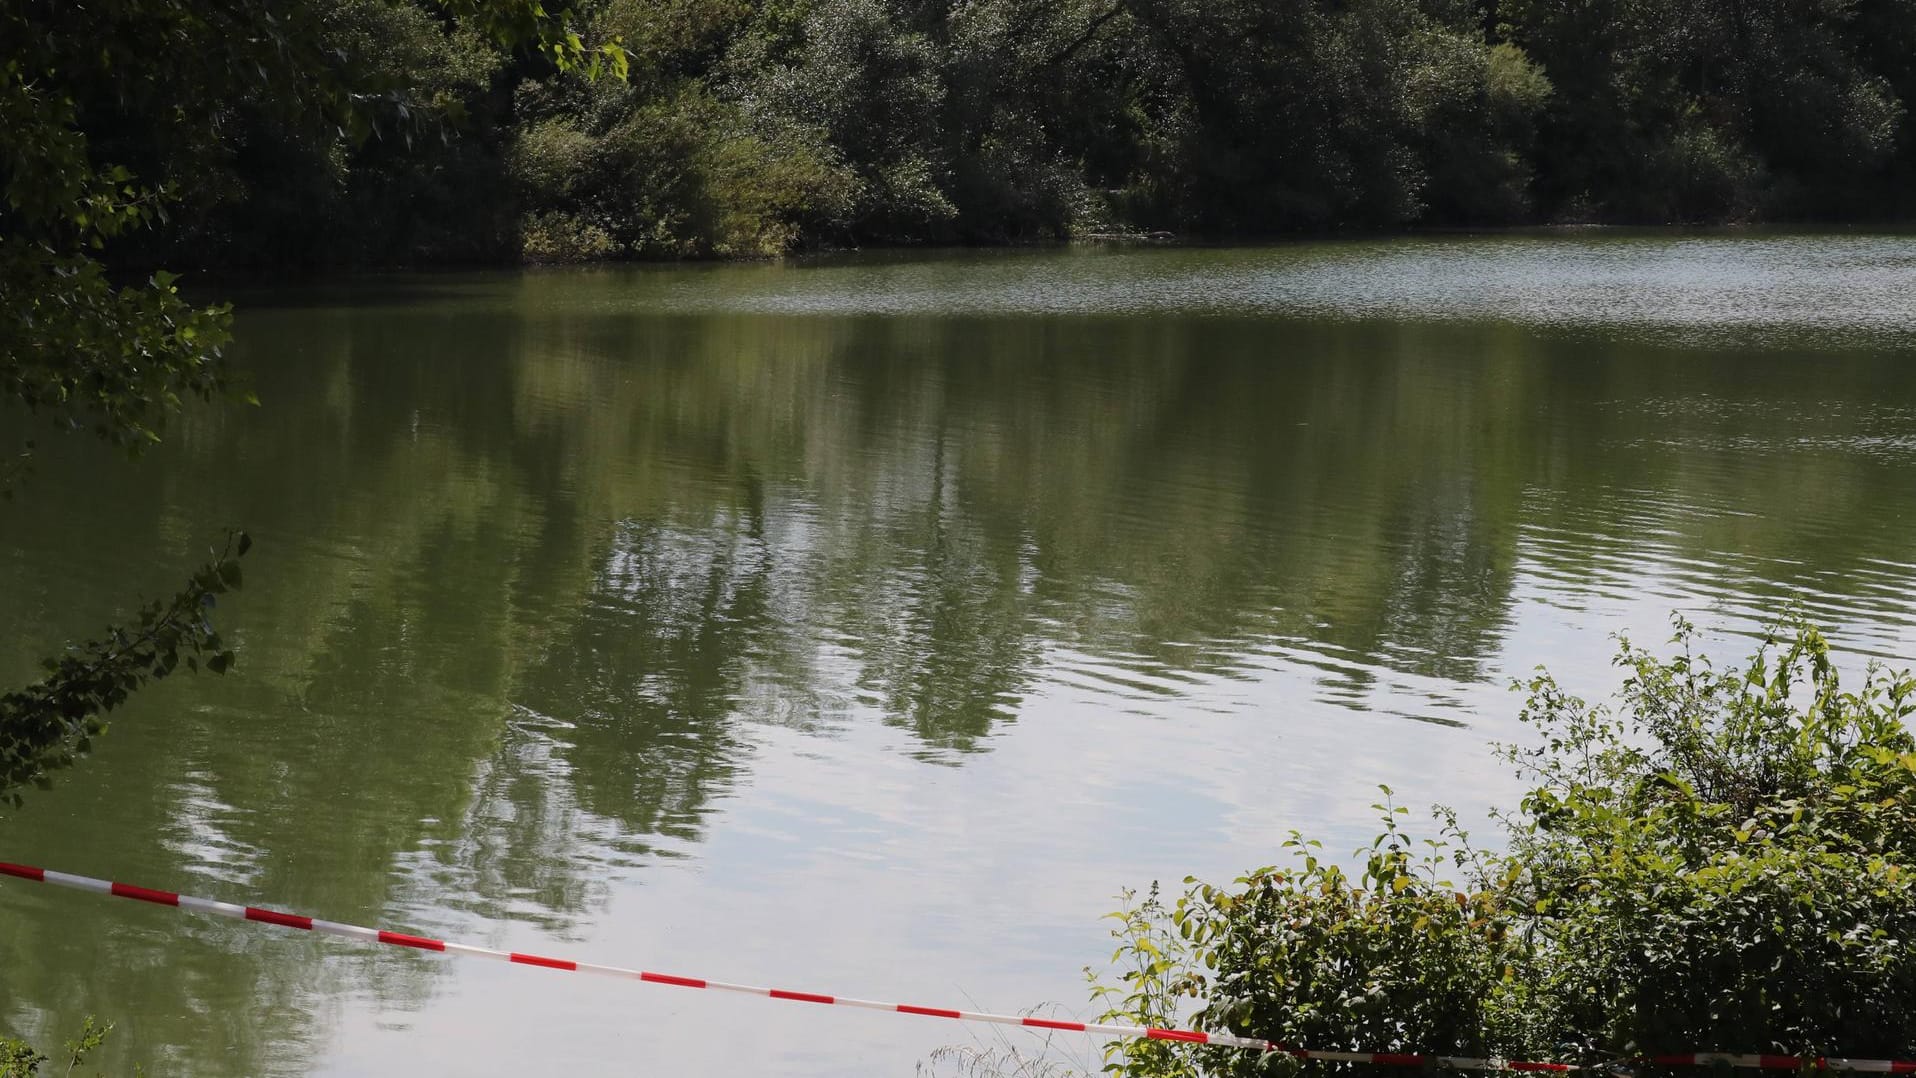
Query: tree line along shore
(754,128)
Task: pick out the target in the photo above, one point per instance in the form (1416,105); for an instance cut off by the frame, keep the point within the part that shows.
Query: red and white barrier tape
(1224,1040)
(423,943)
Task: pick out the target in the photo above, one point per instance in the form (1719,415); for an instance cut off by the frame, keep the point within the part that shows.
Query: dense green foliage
(1723,864)
(1732,867)
(751,127)
(333,132)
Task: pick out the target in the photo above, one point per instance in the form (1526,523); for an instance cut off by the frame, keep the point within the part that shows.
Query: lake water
(863,625)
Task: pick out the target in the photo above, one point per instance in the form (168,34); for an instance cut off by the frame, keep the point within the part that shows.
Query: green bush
(1723,862)
(1477,107)
(668,170)
(769,193)
(865,82)
(555,237)
(18,1059)
(1390,958)
(1727,865)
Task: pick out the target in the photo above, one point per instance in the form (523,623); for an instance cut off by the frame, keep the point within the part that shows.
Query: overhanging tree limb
(49,724)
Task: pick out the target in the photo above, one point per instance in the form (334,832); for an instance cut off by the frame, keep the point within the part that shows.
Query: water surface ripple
(863,624)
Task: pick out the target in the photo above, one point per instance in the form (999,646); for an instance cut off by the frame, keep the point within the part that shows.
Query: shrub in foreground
(1722,861)
(18,1059)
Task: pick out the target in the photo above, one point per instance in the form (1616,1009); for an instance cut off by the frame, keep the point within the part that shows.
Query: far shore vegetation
(247,137)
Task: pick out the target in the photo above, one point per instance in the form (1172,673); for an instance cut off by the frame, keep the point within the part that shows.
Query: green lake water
(862,625)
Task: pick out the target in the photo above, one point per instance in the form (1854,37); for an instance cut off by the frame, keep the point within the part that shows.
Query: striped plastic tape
(1107,1029)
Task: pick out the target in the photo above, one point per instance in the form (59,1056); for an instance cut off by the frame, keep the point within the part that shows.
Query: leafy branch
(50,724)
(18,1059)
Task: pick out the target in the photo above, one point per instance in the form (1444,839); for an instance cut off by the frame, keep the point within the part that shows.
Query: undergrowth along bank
(1720,860)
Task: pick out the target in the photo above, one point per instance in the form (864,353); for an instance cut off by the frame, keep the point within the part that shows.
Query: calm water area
(862,625)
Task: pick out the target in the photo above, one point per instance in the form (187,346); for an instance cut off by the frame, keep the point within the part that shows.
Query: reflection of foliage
(553,559)
(1729,864)
(651,675)
(943,630)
